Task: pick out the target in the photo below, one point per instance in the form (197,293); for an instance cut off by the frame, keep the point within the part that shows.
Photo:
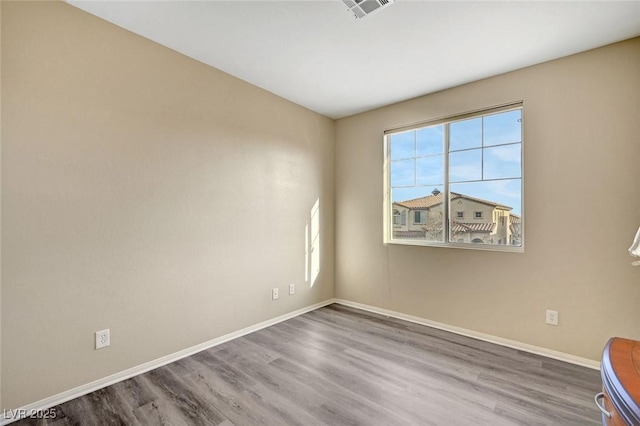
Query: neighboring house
(473,220)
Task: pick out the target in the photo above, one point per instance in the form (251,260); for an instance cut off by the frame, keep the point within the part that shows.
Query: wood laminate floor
(343,366)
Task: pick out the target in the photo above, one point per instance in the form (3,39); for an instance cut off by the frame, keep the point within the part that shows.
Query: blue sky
(481,150)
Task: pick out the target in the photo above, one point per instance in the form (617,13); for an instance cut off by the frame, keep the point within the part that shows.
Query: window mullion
(446,193)
(415,157)
(482,149)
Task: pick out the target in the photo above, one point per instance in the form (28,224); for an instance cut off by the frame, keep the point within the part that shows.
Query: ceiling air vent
(362,8)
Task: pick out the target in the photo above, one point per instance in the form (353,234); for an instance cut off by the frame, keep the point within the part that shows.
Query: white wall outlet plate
(292,289)
(103,338)
(552,317)
(274,294)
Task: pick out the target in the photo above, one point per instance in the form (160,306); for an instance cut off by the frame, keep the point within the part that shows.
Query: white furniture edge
(79,391)
(513,344)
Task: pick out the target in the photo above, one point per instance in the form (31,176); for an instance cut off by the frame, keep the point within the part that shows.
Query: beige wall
(582,156)
(143,192)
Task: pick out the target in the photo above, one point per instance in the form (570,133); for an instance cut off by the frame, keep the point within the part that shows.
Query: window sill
(463,246)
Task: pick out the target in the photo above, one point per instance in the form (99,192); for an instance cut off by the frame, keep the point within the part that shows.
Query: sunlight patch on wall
(313,248)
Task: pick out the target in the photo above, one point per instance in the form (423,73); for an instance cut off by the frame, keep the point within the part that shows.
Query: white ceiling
(316,54)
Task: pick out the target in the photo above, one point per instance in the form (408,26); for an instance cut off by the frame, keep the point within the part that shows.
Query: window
(396,217)
(460,179)
(399,218)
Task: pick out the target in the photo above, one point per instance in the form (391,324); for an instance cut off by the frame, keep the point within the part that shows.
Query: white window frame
(388,204)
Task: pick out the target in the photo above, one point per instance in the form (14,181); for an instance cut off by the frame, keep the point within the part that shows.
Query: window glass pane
(430,170)
(430,140)
(500,203)
(403,173)
(484,177)
(504,192)
(502,128)
(502,162)
(424,210)
(434,225)
(396,217)
(465,165)
(408,193)
(402,145)
(465,134)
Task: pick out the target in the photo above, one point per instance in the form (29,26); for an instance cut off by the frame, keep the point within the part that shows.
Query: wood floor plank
(193,406)
(230,398)
(160,413)
(343,366)
(386,389)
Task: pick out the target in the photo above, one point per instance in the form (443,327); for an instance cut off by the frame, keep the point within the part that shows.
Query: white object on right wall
(634,250)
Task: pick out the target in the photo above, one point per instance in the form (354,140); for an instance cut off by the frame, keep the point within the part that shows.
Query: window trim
(388,204)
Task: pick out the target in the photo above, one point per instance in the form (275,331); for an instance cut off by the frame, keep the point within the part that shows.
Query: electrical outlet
(274,294)
(292,289)
(103,339)
(552,317)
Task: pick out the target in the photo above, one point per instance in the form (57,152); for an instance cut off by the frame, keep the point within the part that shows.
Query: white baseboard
(572,359)
(12,415)
(63,397)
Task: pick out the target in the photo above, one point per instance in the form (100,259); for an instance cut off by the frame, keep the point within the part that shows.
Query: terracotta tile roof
(422,202)
(472,227)
(429,201)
